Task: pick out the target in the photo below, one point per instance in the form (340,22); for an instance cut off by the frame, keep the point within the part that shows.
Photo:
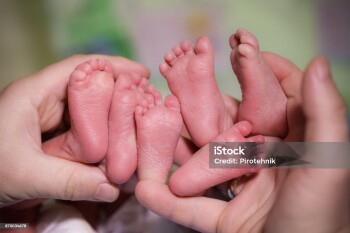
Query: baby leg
(122,153)
(264,103)
(190,76)
(158,130)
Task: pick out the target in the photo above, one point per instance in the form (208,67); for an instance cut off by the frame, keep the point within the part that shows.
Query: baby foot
(190,76)
(263,100)
(158,131)
(121,157)
(90,91)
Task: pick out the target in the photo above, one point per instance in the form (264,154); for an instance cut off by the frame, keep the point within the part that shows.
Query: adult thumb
(323,106)
(68,180)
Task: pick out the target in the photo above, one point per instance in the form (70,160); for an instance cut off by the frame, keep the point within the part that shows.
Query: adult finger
(323,105)
(245,213)
(57,75)
(325,122)
(199,213)
(65,180)
(185,148)
(287,73)
(290,78)
(50,84)
(59,72)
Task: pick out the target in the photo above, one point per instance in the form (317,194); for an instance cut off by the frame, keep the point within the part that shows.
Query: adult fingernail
(322,69)
(106,192)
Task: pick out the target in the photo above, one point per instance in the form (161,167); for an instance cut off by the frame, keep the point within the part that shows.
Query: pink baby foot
(90,91)
(122,153)
(196,176)
(158,131)
(190,76)
(264,103)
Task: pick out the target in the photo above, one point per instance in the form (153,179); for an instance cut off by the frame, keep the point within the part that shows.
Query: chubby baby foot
(190,76)
(121,157)
(90,91)
(264,103)
(158,131)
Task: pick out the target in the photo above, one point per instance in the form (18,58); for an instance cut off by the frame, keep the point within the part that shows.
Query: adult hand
(30,107)
(274,200)
(316,200)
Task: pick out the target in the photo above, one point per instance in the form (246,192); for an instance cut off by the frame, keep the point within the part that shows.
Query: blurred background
(37,33)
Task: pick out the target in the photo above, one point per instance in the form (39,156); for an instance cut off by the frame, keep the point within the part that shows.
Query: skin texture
(90,90)
(270,200)
(189,72)
(36,104)
(263,100)
(122,152)
(158,131)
